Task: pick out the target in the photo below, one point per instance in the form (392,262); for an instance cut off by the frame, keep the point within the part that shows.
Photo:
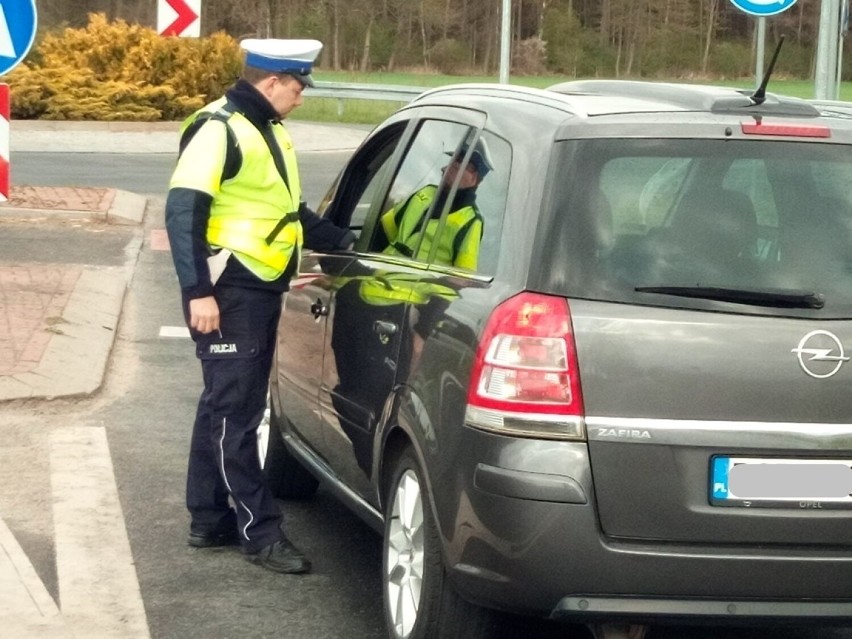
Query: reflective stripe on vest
(389,289)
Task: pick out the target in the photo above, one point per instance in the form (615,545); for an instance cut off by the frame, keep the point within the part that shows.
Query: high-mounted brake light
(525,378)
(789,130)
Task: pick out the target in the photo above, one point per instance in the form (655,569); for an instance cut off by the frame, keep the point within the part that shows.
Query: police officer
(410,227)
(236,224)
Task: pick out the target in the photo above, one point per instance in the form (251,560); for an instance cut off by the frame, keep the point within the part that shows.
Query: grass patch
(344,111)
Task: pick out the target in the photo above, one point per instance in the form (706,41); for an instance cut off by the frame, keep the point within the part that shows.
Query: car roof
(591,98)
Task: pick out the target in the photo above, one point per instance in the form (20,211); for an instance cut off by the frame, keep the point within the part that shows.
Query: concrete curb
(126,208)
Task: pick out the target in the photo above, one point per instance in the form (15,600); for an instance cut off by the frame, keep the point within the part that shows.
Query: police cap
(294,57)
(480,158)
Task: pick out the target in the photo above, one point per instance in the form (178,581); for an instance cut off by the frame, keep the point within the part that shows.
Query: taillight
(525,379)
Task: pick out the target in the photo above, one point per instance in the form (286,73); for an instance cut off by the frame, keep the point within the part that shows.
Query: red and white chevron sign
(179,18)
(4,142)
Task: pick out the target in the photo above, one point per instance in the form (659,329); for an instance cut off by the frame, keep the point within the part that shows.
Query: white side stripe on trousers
(227,483)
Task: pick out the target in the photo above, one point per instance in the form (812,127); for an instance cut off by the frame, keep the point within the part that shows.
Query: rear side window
(699,223)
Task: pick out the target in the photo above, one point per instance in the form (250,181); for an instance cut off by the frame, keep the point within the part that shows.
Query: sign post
(506,42)
(4,143)
(825,77)
(761,9)
(761,51)
(179,18)
(17,33)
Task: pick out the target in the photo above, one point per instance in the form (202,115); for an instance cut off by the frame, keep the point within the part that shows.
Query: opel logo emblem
(820,354)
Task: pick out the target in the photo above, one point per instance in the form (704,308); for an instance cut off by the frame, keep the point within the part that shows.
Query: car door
(297,377)
(368,341)
(297,372)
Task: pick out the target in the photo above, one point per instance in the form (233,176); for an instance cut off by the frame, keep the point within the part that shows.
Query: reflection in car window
(447,201)
(743,215)
(427,183)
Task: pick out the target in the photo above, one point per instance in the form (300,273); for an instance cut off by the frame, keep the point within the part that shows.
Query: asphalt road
(147,174)
(147,407)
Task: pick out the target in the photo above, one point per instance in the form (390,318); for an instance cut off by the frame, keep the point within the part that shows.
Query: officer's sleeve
(193,185)
(322,234)
(468,254)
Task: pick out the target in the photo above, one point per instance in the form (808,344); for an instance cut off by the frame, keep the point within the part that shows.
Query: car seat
(713,236)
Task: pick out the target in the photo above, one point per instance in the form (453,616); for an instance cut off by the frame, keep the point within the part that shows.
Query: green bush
(563,36)
(731,60)
(671,53)
(795,59)
(118,71)
(382,44)
(449,56)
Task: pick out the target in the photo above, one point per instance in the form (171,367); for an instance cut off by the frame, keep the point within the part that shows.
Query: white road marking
(98,588)
(22,594)
(174,331)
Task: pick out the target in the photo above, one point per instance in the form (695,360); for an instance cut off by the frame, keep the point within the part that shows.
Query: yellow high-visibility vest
(458,244)
(249,206)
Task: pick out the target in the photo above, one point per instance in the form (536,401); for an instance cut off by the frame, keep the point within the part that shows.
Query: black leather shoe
(282,556)
(213,540)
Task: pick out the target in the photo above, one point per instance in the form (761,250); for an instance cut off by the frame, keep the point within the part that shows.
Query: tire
(618,630)
(419,601)
(284,474)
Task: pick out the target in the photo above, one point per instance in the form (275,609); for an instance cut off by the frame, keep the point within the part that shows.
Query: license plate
(781,483)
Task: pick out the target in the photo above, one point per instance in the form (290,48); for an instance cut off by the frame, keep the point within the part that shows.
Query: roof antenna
(759,96)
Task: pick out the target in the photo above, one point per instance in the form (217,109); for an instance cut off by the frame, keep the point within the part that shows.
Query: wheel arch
(403,428)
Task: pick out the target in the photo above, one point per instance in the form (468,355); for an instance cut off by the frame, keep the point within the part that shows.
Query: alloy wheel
(404,555)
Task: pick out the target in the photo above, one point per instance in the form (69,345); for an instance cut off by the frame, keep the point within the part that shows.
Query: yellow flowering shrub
(121,71)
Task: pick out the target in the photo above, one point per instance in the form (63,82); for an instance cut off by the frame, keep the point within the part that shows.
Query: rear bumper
(523,534)
(719,610)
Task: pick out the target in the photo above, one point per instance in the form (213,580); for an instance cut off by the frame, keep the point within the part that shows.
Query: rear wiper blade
(777,298)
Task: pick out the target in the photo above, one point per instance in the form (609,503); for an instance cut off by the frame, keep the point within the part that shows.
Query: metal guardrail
(341,91)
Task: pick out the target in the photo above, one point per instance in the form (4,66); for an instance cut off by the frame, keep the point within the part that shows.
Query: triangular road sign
(7,47)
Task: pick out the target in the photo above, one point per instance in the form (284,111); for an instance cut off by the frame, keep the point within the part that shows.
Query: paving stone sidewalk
(58,320)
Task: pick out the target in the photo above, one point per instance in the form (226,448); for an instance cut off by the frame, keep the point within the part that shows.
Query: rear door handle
(318,309)
(385,330)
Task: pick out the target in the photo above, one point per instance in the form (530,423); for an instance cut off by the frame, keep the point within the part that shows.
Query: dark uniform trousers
(223,458)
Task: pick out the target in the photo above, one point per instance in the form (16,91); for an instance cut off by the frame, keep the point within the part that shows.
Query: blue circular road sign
(17,31)
(763,7)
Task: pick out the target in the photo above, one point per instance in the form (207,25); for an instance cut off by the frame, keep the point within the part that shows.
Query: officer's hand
(204,314)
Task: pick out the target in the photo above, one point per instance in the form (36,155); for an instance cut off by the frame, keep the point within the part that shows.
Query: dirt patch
(65,198)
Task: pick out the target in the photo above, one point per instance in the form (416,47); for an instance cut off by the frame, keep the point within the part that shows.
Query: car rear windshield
(735,225)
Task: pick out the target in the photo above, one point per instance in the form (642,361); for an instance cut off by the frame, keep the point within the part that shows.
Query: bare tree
(711,8)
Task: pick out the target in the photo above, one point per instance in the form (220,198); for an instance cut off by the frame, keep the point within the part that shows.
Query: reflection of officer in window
(366,365)
(458,245)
